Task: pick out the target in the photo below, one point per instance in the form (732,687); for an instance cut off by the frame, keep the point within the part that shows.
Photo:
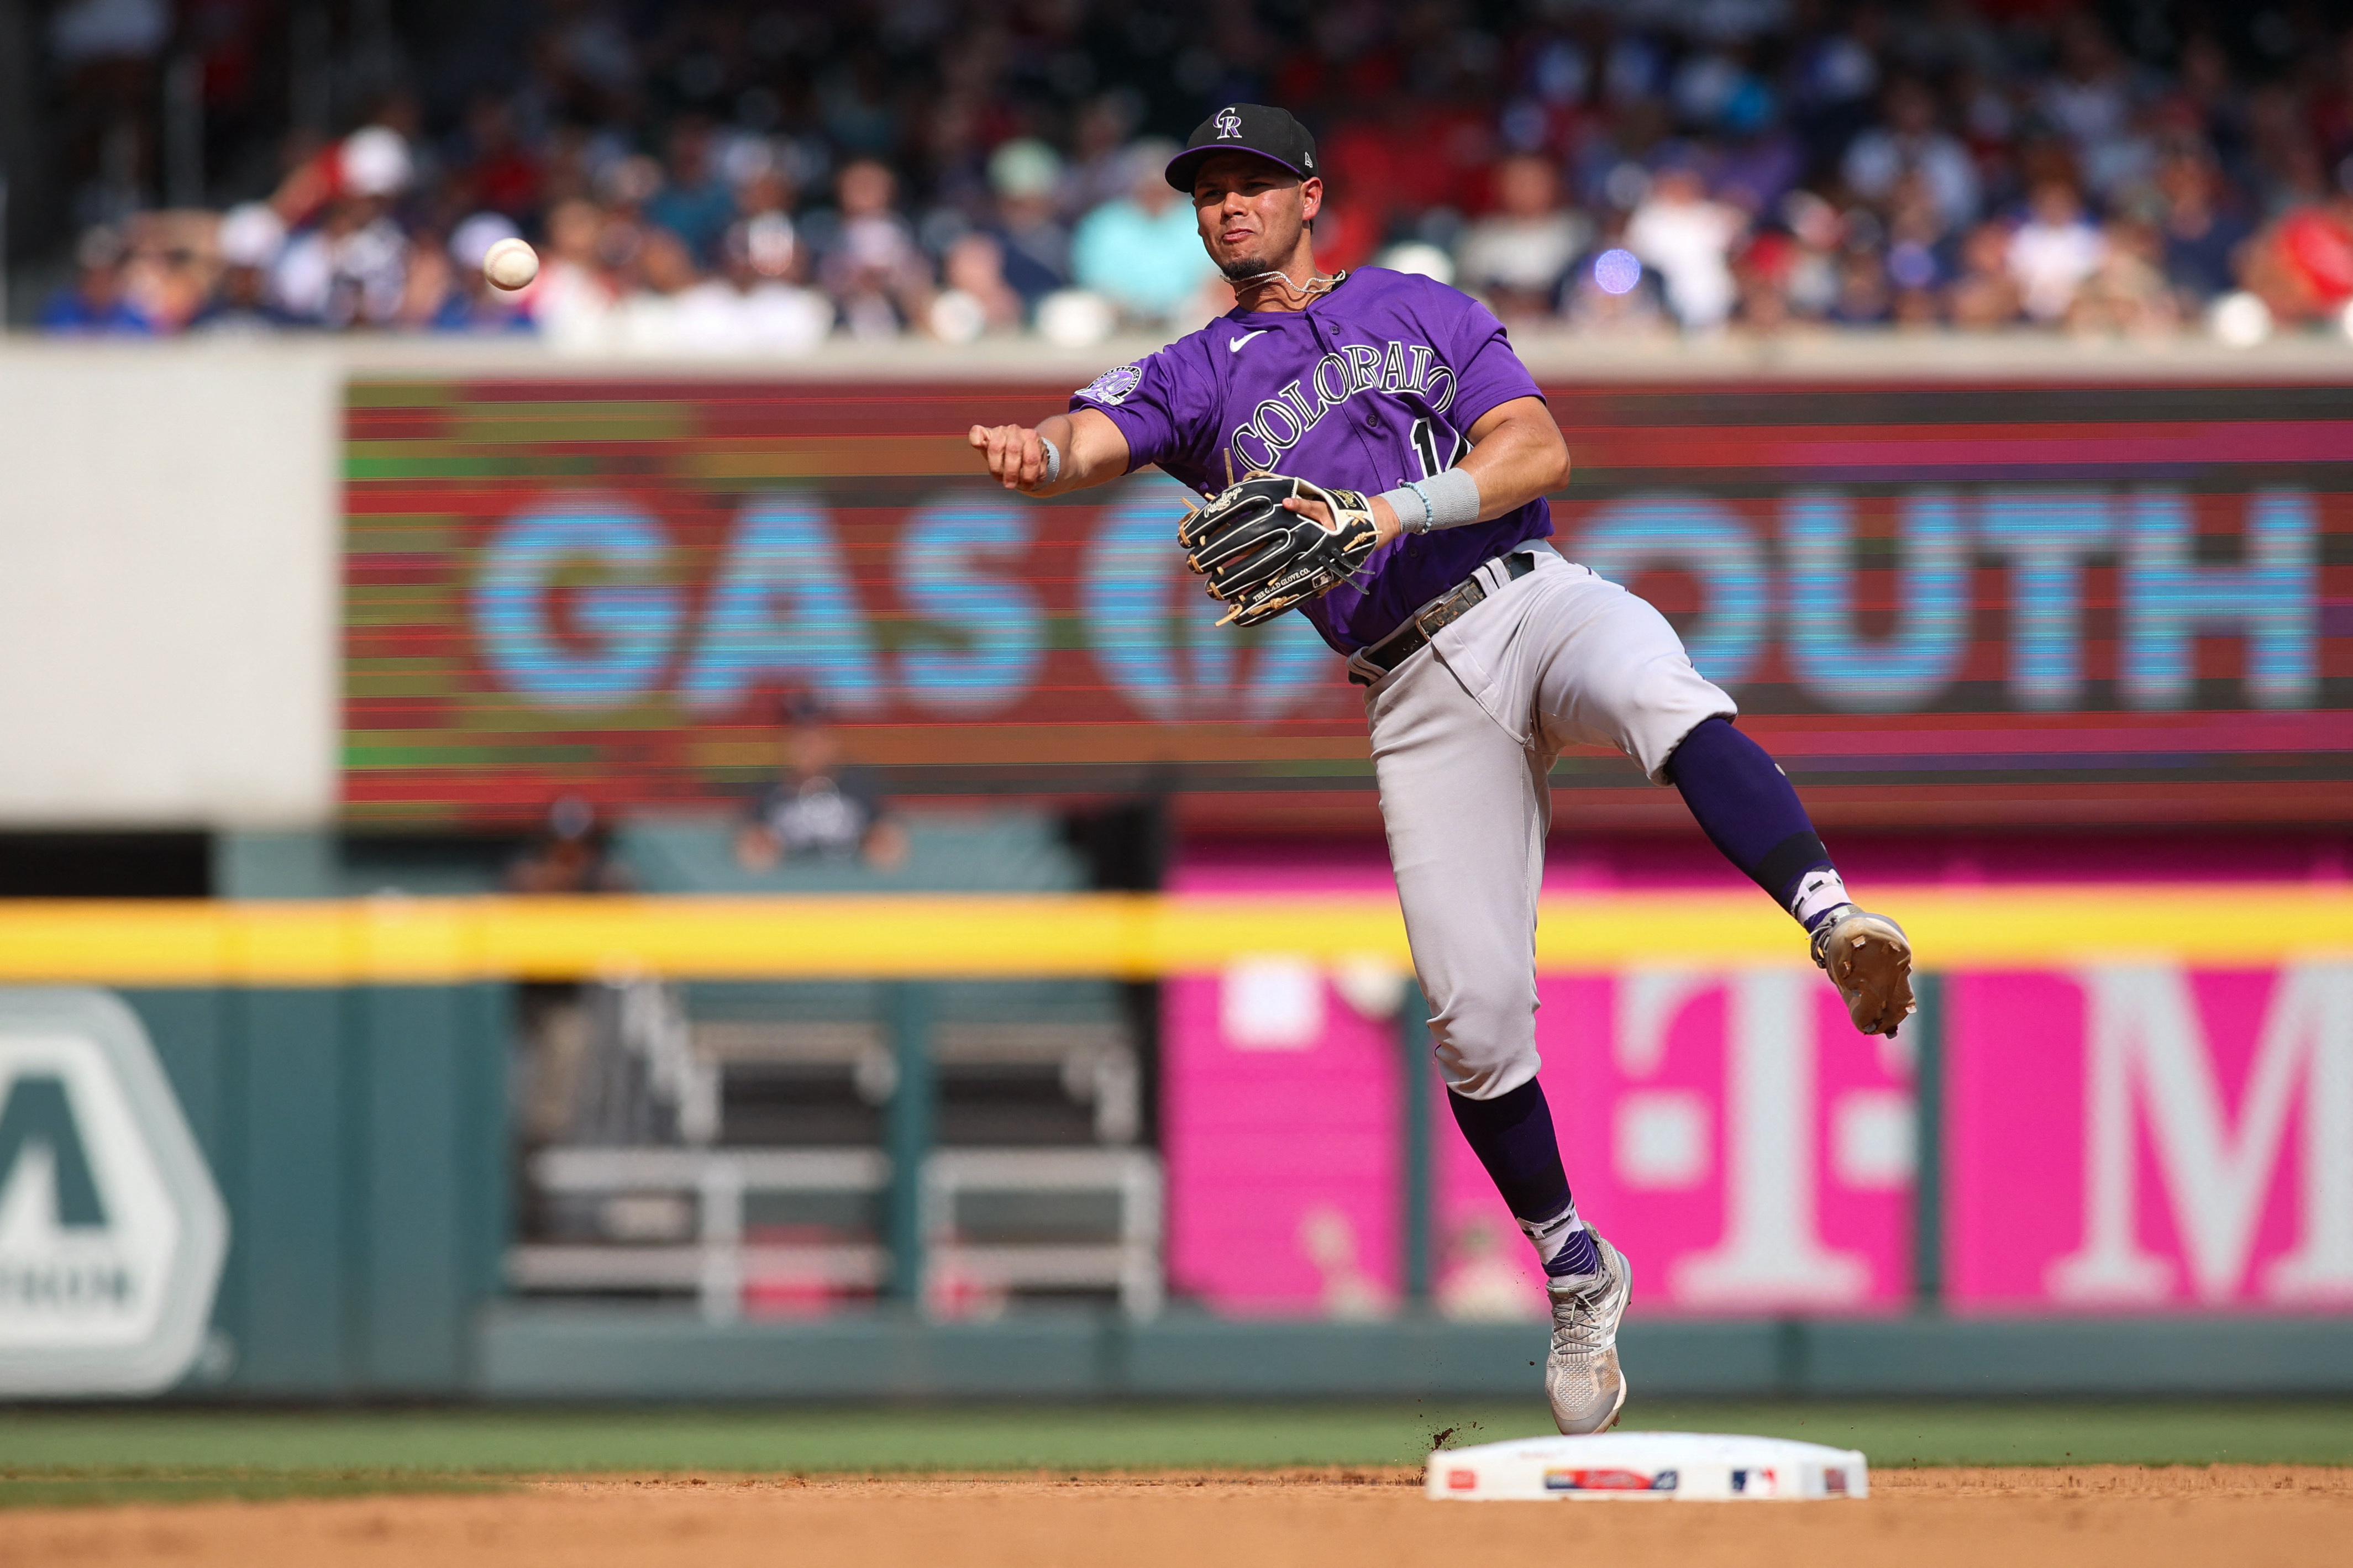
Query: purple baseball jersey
(1371,387)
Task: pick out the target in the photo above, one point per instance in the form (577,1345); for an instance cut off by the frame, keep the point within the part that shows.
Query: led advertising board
(1953,604)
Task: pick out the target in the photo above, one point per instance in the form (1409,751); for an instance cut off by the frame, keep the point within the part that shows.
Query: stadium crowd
(725,177)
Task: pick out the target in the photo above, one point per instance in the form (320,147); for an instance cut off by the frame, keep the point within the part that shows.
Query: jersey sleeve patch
(1114,386)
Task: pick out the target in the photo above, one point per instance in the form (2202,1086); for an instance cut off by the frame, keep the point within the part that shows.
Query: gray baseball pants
(1464,733)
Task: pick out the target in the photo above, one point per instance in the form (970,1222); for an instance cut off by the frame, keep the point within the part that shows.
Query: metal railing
(720,1263)
(1131,1263)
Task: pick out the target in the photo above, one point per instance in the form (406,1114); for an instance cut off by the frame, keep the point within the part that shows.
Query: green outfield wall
(359,1141)
(358,1137)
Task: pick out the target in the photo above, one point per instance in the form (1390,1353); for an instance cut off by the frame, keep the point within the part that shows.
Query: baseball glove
(1260,559)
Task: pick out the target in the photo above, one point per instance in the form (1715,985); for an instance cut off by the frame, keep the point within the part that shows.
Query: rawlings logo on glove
(1262,558)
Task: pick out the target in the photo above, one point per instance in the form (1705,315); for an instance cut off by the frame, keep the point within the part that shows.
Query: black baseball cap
(1245,128)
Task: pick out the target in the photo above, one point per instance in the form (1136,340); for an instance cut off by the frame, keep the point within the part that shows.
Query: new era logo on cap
(1272,133)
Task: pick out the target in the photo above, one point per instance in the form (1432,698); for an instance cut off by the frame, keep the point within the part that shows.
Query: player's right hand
(1016,459)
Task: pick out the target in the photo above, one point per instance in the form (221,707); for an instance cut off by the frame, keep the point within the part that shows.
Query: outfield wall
(2101,1160)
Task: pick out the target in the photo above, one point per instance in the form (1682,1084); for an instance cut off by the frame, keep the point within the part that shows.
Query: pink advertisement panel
(1730,1132)
(2137,1136)
(1728,1129)
(1279,1124)
(2130,1135)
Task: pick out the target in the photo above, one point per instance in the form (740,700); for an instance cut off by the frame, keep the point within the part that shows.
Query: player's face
(1252,212)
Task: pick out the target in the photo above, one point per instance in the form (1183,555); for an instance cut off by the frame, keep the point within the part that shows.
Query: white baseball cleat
(1869,959)
(1581,1374)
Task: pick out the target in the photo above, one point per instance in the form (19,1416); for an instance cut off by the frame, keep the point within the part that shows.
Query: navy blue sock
(1748,809)
(1512,1136)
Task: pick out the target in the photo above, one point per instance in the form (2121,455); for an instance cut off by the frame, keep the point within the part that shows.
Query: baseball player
(1378,458)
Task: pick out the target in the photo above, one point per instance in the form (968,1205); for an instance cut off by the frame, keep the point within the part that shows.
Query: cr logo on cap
(1229,125)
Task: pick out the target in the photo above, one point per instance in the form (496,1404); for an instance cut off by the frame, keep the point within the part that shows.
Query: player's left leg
(1749,808)
(1604,667)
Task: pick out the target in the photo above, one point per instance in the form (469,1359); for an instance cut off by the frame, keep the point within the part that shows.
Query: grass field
(52,1456)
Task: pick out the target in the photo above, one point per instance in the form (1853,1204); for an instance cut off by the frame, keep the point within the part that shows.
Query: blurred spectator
(2127,295)
(1910,146)
(574,291)
(93,304)
(766,247)
(248,242)
(1034,250)
(572,853)
(2053,251)
(1919,247)
(1916,309)
(169,265)
(1763,273)
(350,267)
(766,308)
(429,300)
(693,203)
(1142,250)
(1985,296)
(765,191)
(1864,299)
(978,299)
(2202,236)
(2301,265)
(1811,282)
(1517,256)
(818,808)
(873,270)
(654,315)
(1689,239)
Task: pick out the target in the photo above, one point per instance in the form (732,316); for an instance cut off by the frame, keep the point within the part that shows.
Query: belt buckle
(1465,597)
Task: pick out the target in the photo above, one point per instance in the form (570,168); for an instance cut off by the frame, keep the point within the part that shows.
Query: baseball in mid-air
(510,264)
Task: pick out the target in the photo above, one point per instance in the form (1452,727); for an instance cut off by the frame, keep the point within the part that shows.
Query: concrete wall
(544,1350)
(167,585)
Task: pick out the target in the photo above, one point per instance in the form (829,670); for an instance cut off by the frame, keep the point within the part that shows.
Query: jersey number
(1425,446)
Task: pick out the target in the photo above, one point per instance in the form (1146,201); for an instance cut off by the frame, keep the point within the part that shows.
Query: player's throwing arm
(1064,452)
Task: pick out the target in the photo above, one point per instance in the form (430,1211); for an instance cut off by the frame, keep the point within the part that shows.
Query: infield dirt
(1927,1518)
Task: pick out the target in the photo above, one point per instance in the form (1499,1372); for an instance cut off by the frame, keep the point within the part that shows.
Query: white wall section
(169,517)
